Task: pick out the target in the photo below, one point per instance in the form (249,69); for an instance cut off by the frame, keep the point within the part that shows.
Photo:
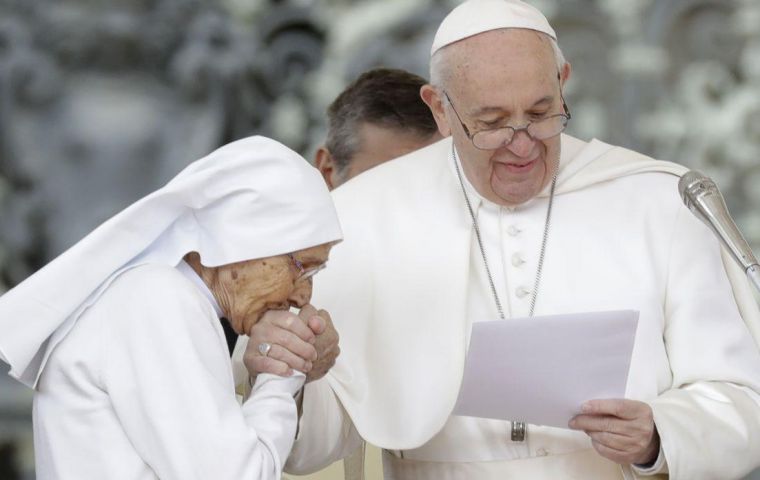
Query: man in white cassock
(510,218)
(121,335)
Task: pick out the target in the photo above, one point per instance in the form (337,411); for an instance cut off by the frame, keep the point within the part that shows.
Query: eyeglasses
(304,273)
(494,138)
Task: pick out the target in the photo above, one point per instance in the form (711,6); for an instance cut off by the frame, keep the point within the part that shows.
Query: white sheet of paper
(540,370)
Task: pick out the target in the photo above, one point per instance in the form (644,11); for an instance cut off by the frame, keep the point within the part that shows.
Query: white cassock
(147,371)
(408,280)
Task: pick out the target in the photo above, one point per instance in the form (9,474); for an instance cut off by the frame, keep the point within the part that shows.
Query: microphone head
(702,197)
(693,185)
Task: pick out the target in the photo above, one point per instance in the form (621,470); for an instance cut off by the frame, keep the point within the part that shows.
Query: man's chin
(514,193)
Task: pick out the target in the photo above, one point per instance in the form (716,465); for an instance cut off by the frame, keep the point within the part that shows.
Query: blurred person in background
(8,463)
(378,117)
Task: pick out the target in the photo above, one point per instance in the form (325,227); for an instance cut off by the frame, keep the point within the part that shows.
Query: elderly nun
(121,335)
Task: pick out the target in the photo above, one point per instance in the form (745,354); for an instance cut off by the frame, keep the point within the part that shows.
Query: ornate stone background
(100,104)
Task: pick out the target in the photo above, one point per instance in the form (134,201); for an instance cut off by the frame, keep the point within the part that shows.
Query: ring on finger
(264,348)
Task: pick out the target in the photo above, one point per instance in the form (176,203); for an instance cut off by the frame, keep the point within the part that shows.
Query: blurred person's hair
(385,97)
(9,462)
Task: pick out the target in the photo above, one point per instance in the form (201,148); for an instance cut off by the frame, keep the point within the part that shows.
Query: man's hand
(326,342)
(292,342)
(620,430)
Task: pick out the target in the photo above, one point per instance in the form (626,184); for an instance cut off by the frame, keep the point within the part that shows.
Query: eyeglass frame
(304,273)
(471,136)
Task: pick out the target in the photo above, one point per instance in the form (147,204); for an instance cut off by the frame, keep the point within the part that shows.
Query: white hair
(440,69)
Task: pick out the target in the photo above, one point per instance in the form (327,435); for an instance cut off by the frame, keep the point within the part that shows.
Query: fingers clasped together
(281,342)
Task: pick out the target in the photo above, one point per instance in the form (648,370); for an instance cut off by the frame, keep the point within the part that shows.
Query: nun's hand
(291,344)
(326,342)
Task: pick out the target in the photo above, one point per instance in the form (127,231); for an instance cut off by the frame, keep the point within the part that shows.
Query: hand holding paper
(620,430)
(542,369)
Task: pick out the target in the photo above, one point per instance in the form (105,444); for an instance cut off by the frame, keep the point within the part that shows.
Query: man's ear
(567,69)
(434,101)
(326,166)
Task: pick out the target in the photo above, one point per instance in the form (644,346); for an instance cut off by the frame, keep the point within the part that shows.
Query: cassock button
(517,260)
(541,452)
(513,231)
(522,292)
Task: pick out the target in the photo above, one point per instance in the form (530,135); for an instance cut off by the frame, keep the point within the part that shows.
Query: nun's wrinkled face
(245,290)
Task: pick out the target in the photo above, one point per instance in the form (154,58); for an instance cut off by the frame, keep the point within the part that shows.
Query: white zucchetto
(477,16)
(252,198)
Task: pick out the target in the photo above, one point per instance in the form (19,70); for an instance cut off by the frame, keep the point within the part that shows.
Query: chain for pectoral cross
(519,429)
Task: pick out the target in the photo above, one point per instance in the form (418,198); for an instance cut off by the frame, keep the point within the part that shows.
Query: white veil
(249,199)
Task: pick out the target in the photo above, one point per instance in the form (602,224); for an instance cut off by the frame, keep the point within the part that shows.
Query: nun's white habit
(122,340)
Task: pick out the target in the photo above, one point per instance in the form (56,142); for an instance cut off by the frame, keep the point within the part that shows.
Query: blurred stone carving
(706,114)
(100,105)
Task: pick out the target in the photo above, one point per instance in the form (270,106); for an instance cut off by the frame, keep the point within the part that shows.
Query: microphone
(702,197)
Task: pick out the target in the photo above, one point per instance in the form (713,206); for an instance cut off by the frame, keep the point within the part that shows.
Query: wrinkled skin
(246,290)
(261,292)
(307,342)
(501,78)
(620,430)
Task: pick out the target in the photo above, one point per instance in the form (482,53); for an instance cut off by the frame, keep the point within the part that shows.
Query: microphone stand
(704,200)
(753,273)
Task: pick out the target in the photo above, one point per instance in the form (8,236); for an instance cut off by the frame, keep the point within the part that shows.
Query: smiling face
(245,290)
(502,78)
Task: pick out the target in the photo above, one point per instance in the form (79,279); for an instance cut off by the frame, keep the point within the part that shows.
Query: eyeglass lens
(540,130)
(304,273)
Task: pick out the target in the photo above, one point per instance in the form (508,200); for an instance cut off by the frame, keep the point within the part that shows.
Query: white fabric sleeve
(325,431)
(660,466)
(167,372)
(709,420)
